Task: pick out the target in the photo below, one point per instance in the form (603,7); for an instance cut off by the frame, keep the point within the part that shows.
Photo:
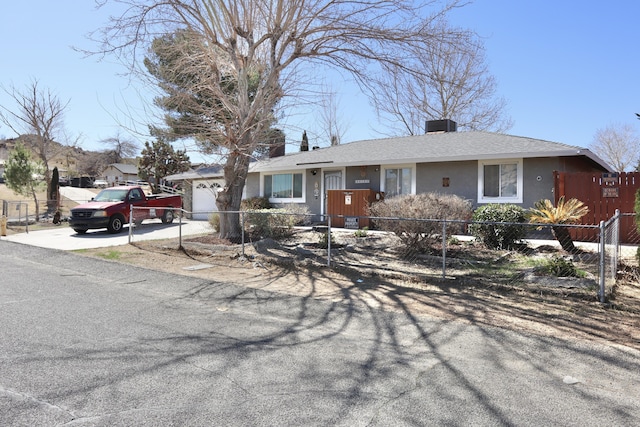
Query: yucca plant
(566,212)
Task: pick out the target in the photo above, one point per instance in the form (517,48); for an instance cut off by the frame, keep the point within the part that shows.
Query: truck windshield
(111,195)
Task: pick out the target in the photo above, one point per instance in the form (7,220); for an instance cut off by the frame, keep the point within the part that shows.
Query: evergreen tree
(22,174)
(159,159)
(54,195)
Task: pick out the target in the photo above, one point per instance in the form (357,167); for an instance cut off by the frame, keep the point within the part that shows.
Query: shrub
(361,232)
(323,239)
(560,267)
(499,236)
(302,214)
(214,221)
(255,203)
(422,215)
(275,223)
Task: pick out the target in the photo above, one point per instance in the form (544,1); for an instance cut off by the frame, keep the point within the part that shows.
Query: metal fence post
(130,223)
(602,262)
(329,241)
(444,249)
(26,219)
(617,238)
(180,229)
(242,230)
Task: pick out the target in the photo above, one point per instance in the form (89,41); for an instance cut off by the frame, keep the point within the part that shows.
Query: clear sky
(566,68)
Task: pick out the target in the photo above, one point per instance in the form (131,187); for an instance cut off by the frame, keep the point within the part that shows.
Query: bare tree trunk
(229,199)
(35,199)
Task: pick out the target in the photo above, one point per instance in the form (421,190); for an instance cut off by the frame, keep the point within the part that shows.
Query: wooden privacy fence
(602,193)
(352,205)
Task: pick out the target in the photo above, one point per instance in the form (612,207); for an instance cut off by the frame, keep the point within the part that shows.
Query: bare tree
(38,112)
(332,127)
(618,145)
(235,43)
(120,148)
(455,84)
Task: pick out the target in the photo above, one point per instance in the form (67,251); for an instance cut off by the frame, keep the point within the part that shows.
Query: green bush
(560,267)
(361,232)
(323,239)
(499,236)
(422,215)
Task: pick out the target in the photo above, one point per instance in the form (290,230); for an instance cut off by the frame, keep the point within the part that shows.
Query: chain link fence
(16,213)
(415,250)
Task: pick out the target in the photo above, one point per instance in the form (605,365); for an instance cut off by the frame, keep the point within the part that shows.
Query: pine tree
(21,174)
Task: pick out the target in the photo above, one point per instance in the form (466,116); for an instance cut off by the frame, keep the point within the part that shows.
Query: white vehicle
(100,183)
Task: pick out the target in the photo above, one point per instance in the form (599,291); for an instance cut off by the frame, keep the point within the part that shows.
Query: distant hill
(71,161)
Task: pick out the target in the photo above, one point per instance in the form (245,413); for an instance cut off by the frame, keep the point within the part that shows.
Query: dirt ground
(557,312)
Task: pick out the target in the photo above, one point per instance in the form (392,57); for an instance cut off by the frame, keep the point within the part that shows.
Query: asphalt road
(87,342)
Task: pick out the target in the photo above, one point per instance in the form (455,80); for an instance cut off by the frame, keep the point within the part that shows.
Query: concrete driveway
(64,238)
(78,195)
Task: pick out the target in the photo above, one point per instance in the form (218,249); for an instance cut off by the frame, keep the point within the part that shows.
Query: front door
(332,181)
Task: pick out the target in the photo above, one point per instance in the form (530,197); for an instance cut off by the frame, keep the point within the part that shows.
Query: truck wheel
(167,217)
(115,224)
(80,230)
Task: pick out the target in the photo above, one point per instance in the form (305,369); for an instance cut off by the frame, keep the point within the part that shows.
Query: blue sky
(566,68)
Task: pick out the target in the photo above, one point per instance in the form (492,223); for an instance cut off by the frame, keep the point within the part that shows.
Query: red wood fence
(602,193)
(352,204)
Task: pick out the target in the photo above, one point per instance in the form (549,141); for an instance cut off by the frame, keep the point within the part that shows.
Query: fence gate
(602,193)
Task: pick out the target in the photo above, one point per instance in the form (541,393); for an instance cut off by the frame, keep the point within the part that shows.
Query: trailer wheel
(116,223)
(167,216)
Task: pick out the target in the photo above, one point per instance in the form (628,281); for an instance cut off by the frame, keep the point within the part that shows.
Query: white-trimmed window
(284,186)
(398,180)
(500,181)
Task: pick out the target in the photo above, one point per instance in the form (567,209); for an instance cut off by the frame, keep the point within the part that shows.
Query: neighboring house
(4,156)
(200,189)
(482,167)
(117,173)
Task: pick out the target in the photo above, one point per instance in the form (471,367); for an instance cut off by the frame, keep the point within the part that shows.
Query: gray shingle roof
(213,171)
(436,147)
(125,168)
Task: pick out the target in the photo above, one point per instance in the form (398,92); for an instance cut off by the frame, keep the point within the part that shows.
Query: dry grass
(7,194)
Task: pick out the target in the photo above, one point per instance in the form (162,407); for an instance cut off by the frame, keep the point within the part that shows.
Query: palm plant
(566,212)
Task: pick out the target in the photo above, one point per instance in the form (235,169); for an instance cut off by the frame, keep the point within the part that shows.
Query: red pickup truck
(111,207)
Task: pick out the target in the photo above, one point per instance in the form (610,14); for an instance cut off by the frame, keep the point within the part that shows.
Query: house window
(500,181)
(397,181)
(283,186)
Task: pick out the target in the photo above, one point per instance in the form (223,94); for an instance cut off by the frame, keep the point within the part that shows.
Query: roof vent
(436,126)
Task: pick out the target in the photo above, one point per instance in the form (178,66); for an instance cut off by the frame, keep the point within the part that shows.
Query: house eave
(471,157)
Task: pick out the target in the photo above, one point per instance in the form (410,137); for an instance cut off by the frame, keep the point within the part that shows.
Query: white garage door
(204,198)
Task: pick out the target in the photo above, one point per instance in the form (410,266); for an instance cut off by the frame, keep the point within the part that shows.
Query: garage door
(204,198)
